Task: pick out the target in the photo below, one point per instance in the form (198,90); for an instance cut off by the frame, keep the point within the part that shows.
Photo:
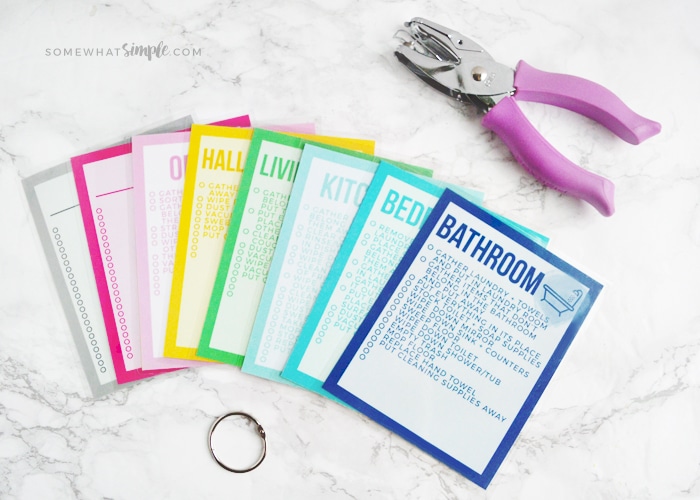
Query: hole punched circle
(258,428)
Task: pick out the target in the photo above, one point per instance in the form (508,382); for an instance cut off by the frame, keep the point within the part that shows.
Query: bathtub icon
(559,303)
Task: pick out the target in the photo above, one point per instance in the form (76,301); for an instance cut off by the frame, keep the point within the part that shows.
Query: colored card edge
(363,146)
(238,121)
(415,169)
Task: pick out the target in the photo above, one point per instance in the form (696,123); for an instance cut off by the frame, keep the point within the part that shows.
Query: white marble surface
(621,417)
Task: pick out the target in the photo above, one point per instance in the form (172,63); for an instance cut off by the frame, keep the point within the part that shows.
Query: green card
(256,219)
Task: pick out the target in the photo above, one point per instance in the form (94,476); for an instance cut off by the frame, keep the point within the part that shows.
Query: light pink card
(158,171)
(159,167)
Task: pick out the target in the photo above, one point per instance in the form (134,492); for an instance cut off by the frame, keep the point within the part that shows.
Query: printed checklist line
(112,192)
(65,209)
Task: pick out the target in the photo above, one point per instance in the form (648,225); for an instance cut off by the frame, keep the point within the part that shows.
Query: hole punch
(258,428)
(460,68)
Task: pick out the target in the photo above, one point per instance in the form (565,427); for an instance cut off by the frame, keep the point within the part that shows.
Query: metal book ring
(260,431)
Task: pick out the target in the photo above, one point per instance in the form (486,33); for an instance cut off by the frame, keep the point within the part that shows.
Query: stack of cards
(305,260)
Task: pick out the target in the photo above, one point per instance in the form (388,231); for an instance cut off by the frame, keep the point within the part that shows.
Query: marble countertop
(621,417)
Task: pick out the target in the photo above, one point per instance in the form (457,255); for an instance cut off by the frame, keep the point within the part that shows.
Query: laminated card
(328,190)
(104,182)
(394,209)
(53,201)
(159,162)
(214,165)
(256,220)
(457,349)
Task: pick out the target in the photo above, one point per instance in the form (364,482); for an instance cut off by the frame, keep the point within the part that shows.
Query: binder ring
(260,431)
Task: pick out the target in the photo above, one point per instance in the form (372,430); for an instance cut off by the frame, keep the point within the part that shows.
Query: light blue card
(396,204)
(327,192)
(394,208)
(464,338)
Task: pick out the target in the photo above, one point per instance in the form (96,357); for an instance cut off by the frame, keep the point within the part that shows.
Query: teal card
(327,192)
(387,221)
(396,204)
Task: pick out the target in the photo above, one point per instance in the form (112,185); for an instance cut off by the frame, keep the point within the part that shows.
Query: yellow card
(215,163)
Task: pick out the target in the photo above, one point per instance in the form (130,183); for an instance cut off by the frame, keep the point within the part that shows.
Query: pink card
(158,163)
(104,182)
(238,121)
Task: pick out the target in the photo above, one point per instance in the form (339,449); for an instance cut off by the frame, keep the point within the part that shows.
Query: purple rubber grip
(543,161)
(585,98)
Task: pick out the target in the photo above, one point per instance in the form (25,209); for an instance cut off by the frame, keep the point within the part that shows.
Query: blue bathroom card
(328,189)
(459,346)
(393,210)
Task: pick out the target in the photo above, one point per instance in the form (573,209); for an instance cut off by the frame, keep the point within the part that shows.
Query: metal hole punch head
(260,431)
(460,68)
(437,55)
